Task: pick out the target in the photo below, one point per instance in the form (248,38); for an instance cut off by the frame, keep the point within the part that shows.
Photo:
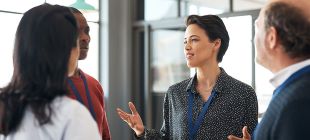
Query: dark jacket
(288,114)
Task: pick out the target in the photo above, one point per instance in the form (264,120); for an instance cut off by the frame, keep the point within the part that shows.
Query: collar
(77,76)
(285,73)
(218,87)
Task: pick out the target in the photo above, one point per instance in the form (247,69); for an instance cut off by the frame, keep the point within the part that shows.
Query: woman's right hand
(133,120)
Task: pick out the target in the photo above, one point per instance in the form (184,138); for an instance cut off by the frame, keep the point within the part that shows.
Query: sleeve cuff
(142,136)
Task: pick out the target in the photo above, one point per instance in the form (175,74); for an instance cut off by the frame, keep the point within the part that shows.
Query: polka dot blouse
(234,106)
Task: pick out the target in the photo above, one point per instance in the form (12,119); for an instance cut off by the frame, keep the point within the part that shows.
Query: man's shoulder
(89,77)
(298,88)
(94,85)
(297,91)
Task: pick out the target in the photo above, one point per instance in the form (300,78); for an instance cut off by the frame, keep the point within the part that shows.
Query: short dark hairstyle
(44,39)
(214,28)
(292,26)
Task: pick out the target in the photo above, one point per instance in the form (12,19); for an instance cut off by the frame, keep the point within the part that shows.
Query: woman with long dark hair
(33,104)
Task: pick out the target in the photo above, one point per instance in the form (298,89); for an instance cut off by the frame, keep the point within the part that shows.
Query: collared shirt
(285,73)
(234,106)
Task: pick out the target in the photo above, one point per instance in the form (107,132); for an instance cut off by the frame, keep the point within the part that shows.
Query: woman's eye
(185,42)
(194,40)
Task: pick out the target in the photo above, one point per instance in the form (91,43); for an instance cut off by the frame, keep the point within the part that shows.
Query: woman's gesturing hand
(246,135)
(133,120)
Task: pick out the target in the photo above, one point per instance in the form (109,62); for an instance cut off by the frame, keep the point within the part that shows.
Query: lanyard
(78,95)
(291,79)
(193,127)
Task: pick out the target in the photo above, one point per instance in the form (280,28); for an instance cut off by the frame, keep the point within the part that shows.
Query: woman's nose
(187,46)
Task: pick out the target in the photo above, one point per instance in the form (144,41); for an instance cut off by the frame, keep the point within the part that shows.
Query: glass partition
(8,28)
(203,7)
(19,6)
(237,61)
(160,9)
(244,5)
(264,89)
(168,64)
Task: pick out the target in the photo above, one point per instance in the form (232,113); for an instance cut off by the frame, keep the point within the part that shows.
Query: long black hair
(44,39)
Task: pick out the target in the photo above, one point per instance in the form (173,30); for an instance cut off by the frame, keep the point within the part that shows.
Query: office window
(19,6)
(160,9)
(237,61)
(168,64)
(94,3)
(264,89)
(8,27)
(243,5)
(199,7)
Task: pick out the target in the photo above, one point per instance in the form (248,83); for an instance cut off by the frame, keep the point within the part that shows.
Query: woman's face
(198,49)
(73,61)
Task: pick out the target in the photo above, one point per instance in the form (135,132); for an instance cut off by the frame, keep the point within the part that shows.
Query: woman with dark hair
(34,105)
(211,105)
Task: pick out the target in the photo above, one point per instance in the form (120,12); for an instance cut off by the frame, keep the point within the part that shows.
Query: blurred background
(136,49)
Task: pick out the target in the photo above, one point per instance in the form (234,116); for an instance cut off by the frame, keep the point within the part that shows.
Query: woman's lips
(189,55)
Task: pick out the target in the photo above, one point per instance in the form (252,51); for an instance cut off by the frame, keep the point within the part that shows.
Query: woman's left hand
(246,135)
(133,120)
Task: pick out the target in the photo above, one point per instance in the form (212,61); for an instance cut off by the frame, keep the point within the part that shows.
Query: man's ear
(271,38)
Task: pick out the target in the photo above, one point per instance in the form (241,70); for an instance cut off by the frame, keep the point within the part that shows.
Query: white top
(70,121)
(285,73)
